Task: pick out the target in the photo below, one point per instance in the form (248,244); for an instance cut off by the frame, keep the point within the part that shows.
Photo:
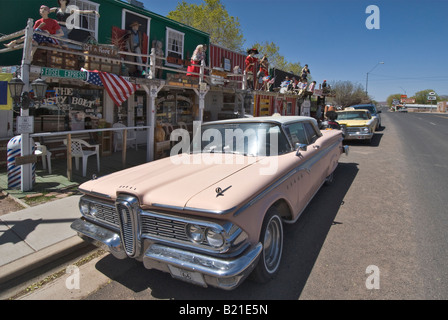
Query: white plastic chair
(79,152)
(43,152)
(131,136)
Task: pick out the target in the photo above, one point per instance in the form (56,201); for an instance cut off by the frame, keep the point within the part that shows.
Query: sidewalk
(40,234)
(35,236)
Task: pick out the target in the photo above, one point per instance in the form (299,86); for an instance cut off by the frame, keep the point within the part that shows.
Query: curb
(40,258)
(22,203)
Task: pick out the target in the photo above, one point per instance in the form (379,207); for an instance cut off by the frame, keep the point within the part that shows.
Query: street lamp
(40,88)
(367,78)
(16,87)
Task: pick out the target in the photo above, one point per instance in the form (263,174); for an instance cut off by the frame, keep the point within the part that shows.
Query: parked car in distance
(401,108)
(373,111)
(214,215)
(359,124)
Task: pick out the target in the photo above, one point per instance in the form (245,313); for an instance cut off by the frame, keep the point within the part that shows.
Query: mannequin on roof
(196,59)
(250,66)
(68,18)
(45,25)
(134,43)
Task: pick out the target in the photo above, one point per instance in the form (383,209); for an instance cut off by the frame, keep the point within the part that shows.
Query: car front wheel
(272,239)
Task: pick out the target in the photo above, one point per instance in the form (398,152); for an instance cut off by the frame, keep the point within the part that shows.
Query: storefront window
(68,108)
(175,107)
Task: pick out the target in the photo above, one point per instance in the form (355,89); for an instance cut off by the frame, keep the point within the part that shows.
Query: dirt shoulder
(8,205)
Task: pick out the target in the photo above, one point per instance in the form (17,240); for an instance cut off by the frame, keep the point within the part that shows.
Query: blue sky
(332,38)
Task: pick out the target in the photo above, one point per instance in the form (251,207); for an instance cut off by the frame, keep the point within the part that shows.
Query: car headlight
(365,130)
(195,233)
(84,207)
(214,237)
(93,209)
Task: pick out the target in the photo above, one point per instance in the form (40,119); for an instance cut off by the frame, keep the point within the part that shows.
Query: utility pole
(27,173)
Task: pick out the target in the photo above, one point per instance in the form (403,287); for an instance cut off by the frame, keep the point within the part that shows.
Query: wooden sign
(21,160)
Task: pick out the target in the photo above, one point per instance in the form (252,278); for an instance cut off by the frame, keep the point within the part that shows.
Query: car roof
(353,109)
(362,105)
(272,119)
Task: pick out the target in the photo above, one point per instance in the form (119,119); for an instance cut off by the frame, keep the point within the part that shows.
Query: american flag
(118,88)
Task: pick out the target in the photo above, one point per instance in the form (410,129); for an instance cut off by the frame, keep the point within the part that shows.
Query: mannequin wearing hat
(134,44)
(250,66)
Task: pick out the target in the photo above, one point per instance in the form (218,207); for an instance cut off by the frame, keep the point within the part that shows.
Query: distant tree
(348,93)
(421,97)
(392,97)
(213,18)
(272,51)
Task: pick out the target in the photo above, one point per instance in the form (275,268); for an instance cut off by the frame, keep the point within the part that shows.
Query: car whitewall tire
(272,239)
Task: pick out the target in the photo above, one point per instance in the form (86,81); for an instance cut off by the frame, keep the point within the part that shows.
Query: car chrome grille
(107,213)
(127,211)
(127,231)
(134,224)
(163,227)
(354,129)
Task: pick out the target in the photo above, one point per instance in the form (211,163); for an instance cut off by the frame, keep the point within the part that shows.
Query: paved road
(379,232)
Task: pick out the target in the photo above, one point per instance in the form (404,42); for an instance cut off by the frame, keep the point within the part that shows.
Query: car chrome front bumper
(185,265)
(358,136)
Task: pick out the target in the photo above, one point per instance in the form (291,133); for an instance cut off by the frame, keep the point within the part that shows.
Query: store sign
(107,51)
(408,100)
(66,96)
(21,160)
(61,73)
(25,124)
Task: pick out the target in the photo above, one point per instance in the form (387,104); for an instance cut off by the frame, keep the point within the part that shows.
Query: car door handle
(316,147)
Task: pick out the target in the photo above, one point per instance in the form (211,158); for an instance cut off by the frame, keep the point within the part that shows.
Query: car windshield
(250,139)
(352,115)
(370,108)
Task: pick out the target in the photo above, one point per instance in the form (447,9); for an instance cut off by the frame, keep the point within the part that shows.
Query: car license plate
(187,275)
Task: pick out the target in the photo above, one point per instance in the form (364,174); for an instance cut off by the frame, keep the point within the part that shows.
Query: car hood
(192,183)
(354,123)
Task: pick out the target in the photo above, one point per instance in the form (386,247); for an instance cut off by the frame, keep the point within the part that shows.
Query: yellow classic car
(359,123)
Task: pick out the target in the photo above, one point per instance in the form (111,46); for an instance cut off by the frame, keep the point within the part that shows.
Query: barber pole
(14,172)
(14,150)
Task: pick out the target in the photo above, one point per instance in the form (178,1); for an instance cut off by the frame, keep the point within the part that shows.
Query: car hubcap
(273,240)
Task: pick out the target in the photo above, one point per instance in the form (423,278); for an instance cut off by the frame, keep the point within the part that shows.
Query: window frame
(167,50)
(88,16)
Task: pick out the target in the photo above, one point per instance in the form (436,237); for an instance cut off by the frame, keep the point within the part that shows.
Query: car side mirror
(300,147)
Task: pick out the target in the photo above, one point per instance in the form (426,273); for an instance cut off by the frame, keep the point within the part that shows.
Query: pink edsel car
(212,213)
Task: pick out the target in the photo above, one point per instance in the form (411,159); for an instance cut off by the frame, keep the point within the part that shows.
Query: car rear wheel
(329,180)
(272,239)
